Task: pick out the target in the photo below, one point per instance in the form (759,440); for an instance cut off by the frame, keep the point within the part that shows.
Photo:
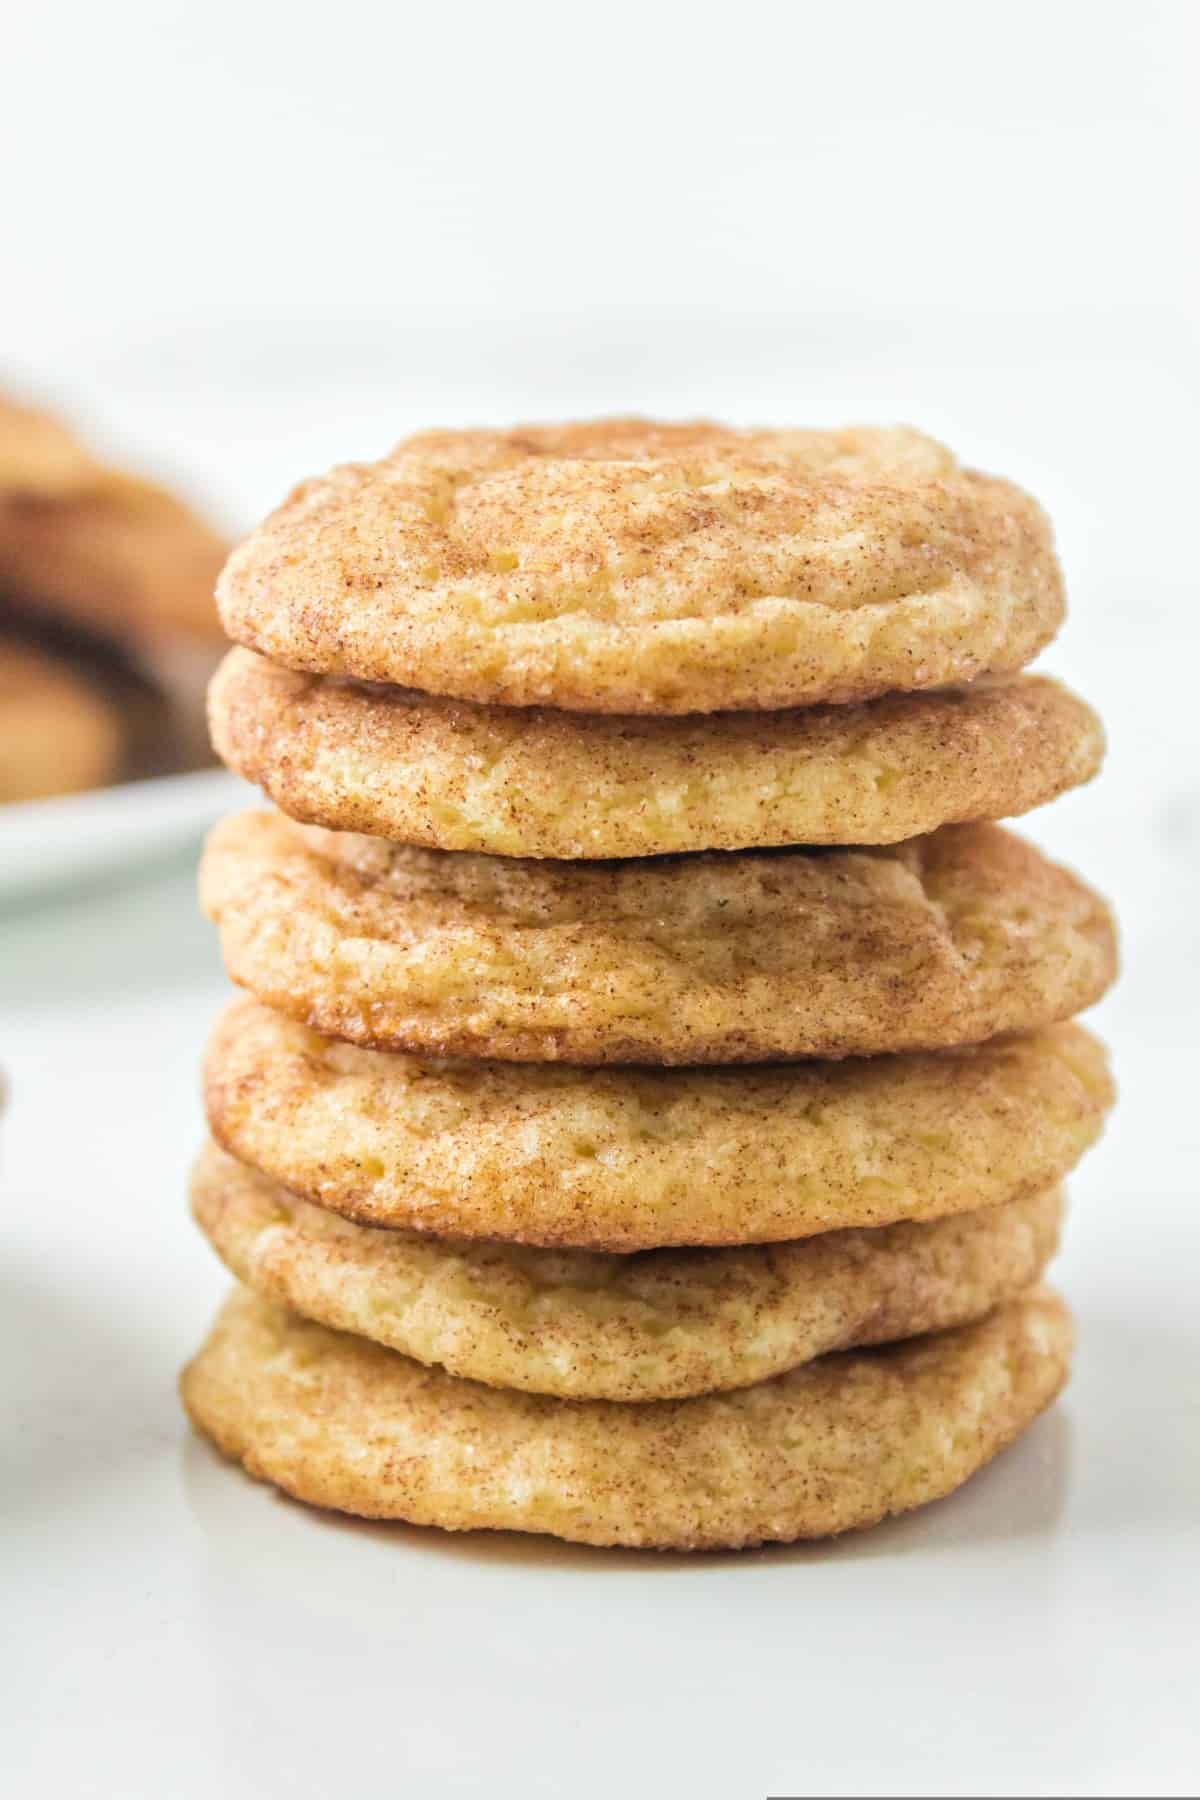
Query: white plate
(46,843)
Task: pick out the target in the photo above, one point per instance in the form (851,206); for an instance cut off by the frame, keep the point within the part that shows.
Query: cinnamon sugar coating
(634,567)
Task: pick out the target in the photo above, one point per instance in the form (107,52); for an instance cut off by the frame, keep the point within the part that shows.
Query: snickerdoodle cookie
(842,1442)
(90,546)
(60,731)
(534,782)
(123,558)
(631,1159)
(590,1326)
(627,566)
(945,939)
(38,454)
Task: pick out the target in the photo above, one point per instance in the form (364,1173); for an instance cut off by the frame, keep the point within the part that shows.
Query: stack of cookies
(647,1120)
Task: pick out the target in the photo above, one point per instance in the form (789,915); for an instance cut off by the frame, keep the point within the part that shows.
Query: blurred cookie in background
(106,584)
(59,733)
(38,454)
(76,715)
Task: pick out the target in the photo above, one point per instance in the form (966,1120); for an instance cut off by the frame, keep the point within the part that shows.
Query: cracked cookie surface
(629,566)
(747,957)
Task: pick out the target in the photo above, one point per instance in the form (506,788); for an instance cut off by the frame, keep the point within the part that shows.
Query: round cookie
(633,567)
(632,1159)
(59,731)
(534,782)
(946,939)
(589,1326)
(90,546)
(123,558)
(840,1443)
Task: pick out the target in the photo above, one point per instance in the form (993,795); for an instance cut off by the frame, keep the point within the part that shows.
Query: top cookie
(628,566)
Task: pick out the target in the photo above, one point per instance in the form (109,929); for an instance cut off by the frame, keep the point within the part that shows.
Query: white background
(243,241)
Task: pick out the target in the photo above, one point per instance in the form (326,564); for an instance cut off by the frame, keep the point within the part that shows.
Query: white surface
(49,842)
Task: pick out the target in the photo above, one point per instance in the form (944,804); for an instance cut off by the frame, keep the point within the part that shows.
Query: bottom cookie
(838,1444)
